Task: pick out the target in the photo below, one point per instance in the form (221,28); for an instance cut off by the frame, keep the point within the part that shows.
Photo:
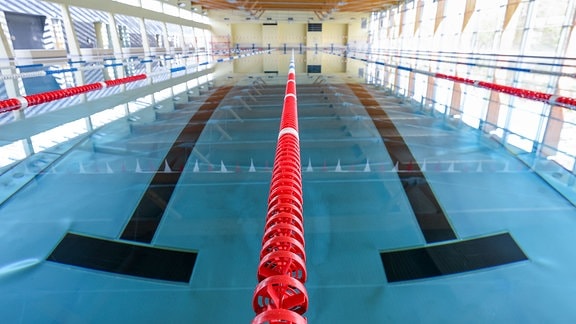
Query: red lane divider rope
(40,98)
(522,93)
(280,296)
(551,99)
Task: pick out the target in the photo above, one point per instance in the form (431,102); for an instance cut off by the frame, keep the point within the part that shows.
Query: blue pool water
(355,207)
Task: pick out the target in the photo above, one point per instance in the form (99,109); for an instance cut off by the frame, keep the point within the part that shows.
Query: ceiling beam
(300,5)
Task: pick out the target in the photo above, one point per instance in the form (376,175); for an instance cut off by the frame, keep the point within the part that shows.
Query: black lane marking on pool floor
(124,258)
(430,215)
(451,258)
(147,216)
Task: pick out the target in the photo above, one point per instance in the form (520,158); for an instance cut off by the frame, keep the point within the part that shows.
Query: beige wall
(313,58)
(329,63)
(249,64)
(260,35)
(221,36)
(333,33)
(313,39)
(222,70)
(357,36)
(270,62)
(270,36)
(284,62)
(246,35)
(353,66)
(333,64)
(291,34)
(220,29)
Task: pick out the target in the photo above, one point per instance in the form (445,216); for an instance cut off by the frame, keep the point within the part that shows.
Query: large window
(92,28)
(527,45)
(129,31)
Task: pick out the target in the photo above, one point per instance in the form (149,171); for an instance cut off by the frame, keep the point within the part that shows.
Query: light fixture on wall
(181,4)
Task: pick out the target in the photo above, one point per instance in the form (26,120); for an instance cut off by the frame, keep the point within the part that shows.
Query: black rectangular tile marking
(451,258)
(147,216)
(430,216)
(124,258)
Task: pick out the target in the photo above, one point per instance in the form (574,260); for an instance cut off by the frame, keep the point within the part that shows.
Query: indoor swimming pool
(408,217)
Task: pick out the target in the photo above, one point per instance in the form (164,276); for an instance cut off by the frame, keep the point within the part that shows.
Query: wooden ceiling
(258,7)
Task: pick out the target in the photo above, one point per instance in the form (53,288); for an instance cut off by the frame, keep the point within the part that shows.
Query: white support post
(521,51)
(114,36)
(144,33)
(73,46)
(6,50)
